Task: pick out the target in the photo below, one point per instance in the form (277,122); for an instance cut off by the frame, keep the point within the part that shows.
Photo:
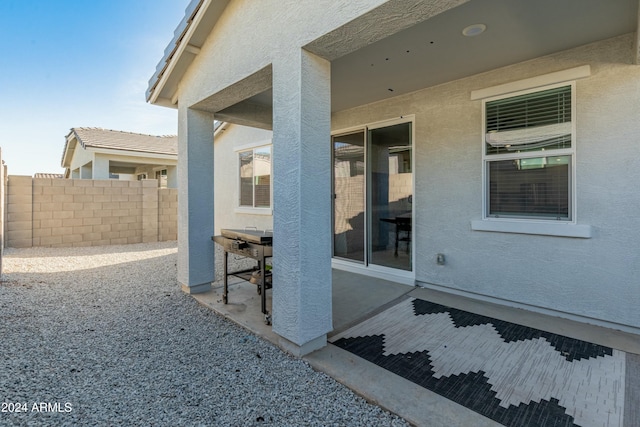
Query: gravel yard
(104,336)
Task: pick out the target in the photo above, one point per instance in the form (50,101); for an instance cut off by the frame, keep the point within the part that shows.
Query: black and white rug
(515,375)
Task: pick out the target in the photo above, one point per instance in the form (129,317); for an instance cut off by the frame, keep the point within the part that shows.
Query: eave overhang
(71,140)
(198,22)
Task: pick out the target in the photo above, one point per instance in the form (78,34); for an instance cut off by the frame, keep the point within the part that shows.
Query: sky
(78,63)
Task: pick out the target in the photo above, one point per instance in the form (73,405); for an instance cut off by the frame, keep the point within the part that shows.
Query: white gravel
(105,336)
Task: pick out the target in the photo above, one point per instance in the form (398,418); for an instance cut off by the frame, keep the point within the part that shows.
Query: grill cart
(248,243)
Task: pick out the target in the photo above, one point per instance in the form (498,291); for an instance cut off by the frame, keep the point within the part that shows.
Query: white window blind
(529,155)
(255,177)
(529,122)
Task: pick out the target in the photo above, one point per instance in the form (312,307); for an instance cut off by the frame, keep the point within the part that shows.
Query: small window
(255,177)
(161,176)
(529,148)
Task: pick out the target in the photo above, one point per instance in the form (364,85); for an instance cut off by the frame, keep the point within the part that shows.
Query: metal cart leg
(262,265)
(225,291)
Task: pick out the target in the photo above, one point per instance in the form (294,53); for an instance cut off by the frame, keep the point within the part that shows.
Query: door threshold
(391,274)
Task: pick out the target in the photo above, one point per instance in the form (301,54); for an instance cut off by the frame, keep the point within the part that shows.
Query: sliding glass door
(390,196)
(348,200)
(373,194)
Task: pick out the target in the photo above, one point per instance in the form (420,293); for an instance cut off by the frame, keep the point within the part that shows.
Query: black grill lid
(252,236)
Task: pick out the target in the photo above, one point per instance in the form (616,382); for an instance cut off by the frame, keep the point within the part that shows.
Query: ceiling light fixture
(474,30)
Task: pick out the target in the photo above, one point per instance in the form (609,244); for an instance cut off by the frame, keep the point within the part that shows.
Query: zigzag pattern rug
(515,375)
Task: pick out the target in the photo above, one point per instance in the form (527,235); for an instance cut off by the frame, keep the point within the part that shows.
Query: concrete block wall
(3,187)
(74,212)
(19,215)
(168,214)
(400,188)
(149,210)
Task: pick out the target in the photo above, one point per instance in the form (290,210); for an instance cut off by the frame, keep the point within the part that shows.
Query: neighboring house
(499,138)
(94,153)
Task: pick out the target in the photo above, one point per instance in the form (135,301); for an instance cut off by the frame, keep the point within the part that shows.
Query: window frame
(487,159)
(252,209)
(159,173)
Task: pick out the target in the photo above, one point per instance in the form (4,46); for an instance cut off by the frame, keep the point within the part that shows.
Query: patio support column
(195,204)
(100,167)
(302,200)
(172,177)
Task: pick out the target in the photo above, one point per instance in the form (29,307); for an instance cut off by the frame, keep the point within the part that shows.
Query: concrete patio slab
(357,298)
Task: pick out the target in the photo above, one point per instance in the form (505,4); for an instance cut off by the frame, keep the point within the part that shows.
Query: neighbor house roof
(118,140)
(48,175)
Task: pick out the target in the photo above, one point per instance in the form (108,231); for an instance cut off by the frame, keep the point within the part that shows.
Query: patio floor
(498,360)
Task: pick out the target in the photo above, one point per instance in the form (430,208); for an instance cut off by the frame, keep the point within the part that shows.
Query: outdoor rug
(515,375)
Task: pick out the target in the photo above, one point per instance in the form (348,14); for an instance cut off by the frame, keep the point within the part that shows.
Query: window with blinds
(255,177)
(529,155)
(529,122)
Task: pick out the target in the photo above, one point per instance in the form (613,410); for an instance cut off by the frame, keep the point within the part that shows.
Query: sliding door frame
(366,268)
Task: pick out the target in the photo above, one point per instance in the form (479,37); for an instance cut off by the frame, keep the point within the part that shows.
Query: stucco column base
(304,349)
(196,289)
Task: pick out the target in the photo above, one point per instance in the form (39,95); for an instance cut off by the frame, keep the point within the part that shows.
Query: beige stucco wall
(80,157)
(78,212)
(594,278)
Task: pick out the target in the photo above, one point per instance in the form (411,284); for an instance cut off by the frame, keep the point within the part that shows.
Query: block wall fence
(52,212)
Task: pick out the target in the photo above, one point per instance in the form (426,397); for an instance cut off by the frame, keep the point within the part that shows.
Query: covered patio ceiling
(117,166)
(436,51)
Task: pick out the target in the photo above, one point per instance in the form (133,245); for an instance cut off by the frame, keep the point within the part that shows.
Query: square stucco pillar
(172,177)
(302,201)
(100,167)
(195,207)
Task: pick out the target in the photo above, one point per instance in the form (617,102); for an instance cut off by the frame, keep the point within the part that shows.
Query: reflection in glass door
(373,194)
(390,196)
(349,191)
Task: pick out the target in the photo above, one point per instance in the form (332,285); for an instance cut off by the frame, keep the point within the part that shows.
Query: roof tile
(129,141)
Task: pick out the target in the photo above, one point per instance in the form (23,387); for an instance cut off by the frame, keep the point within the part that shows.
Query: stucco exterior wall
(226,178)
(280,34)
(80,158)
(594,278)
(78,212)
